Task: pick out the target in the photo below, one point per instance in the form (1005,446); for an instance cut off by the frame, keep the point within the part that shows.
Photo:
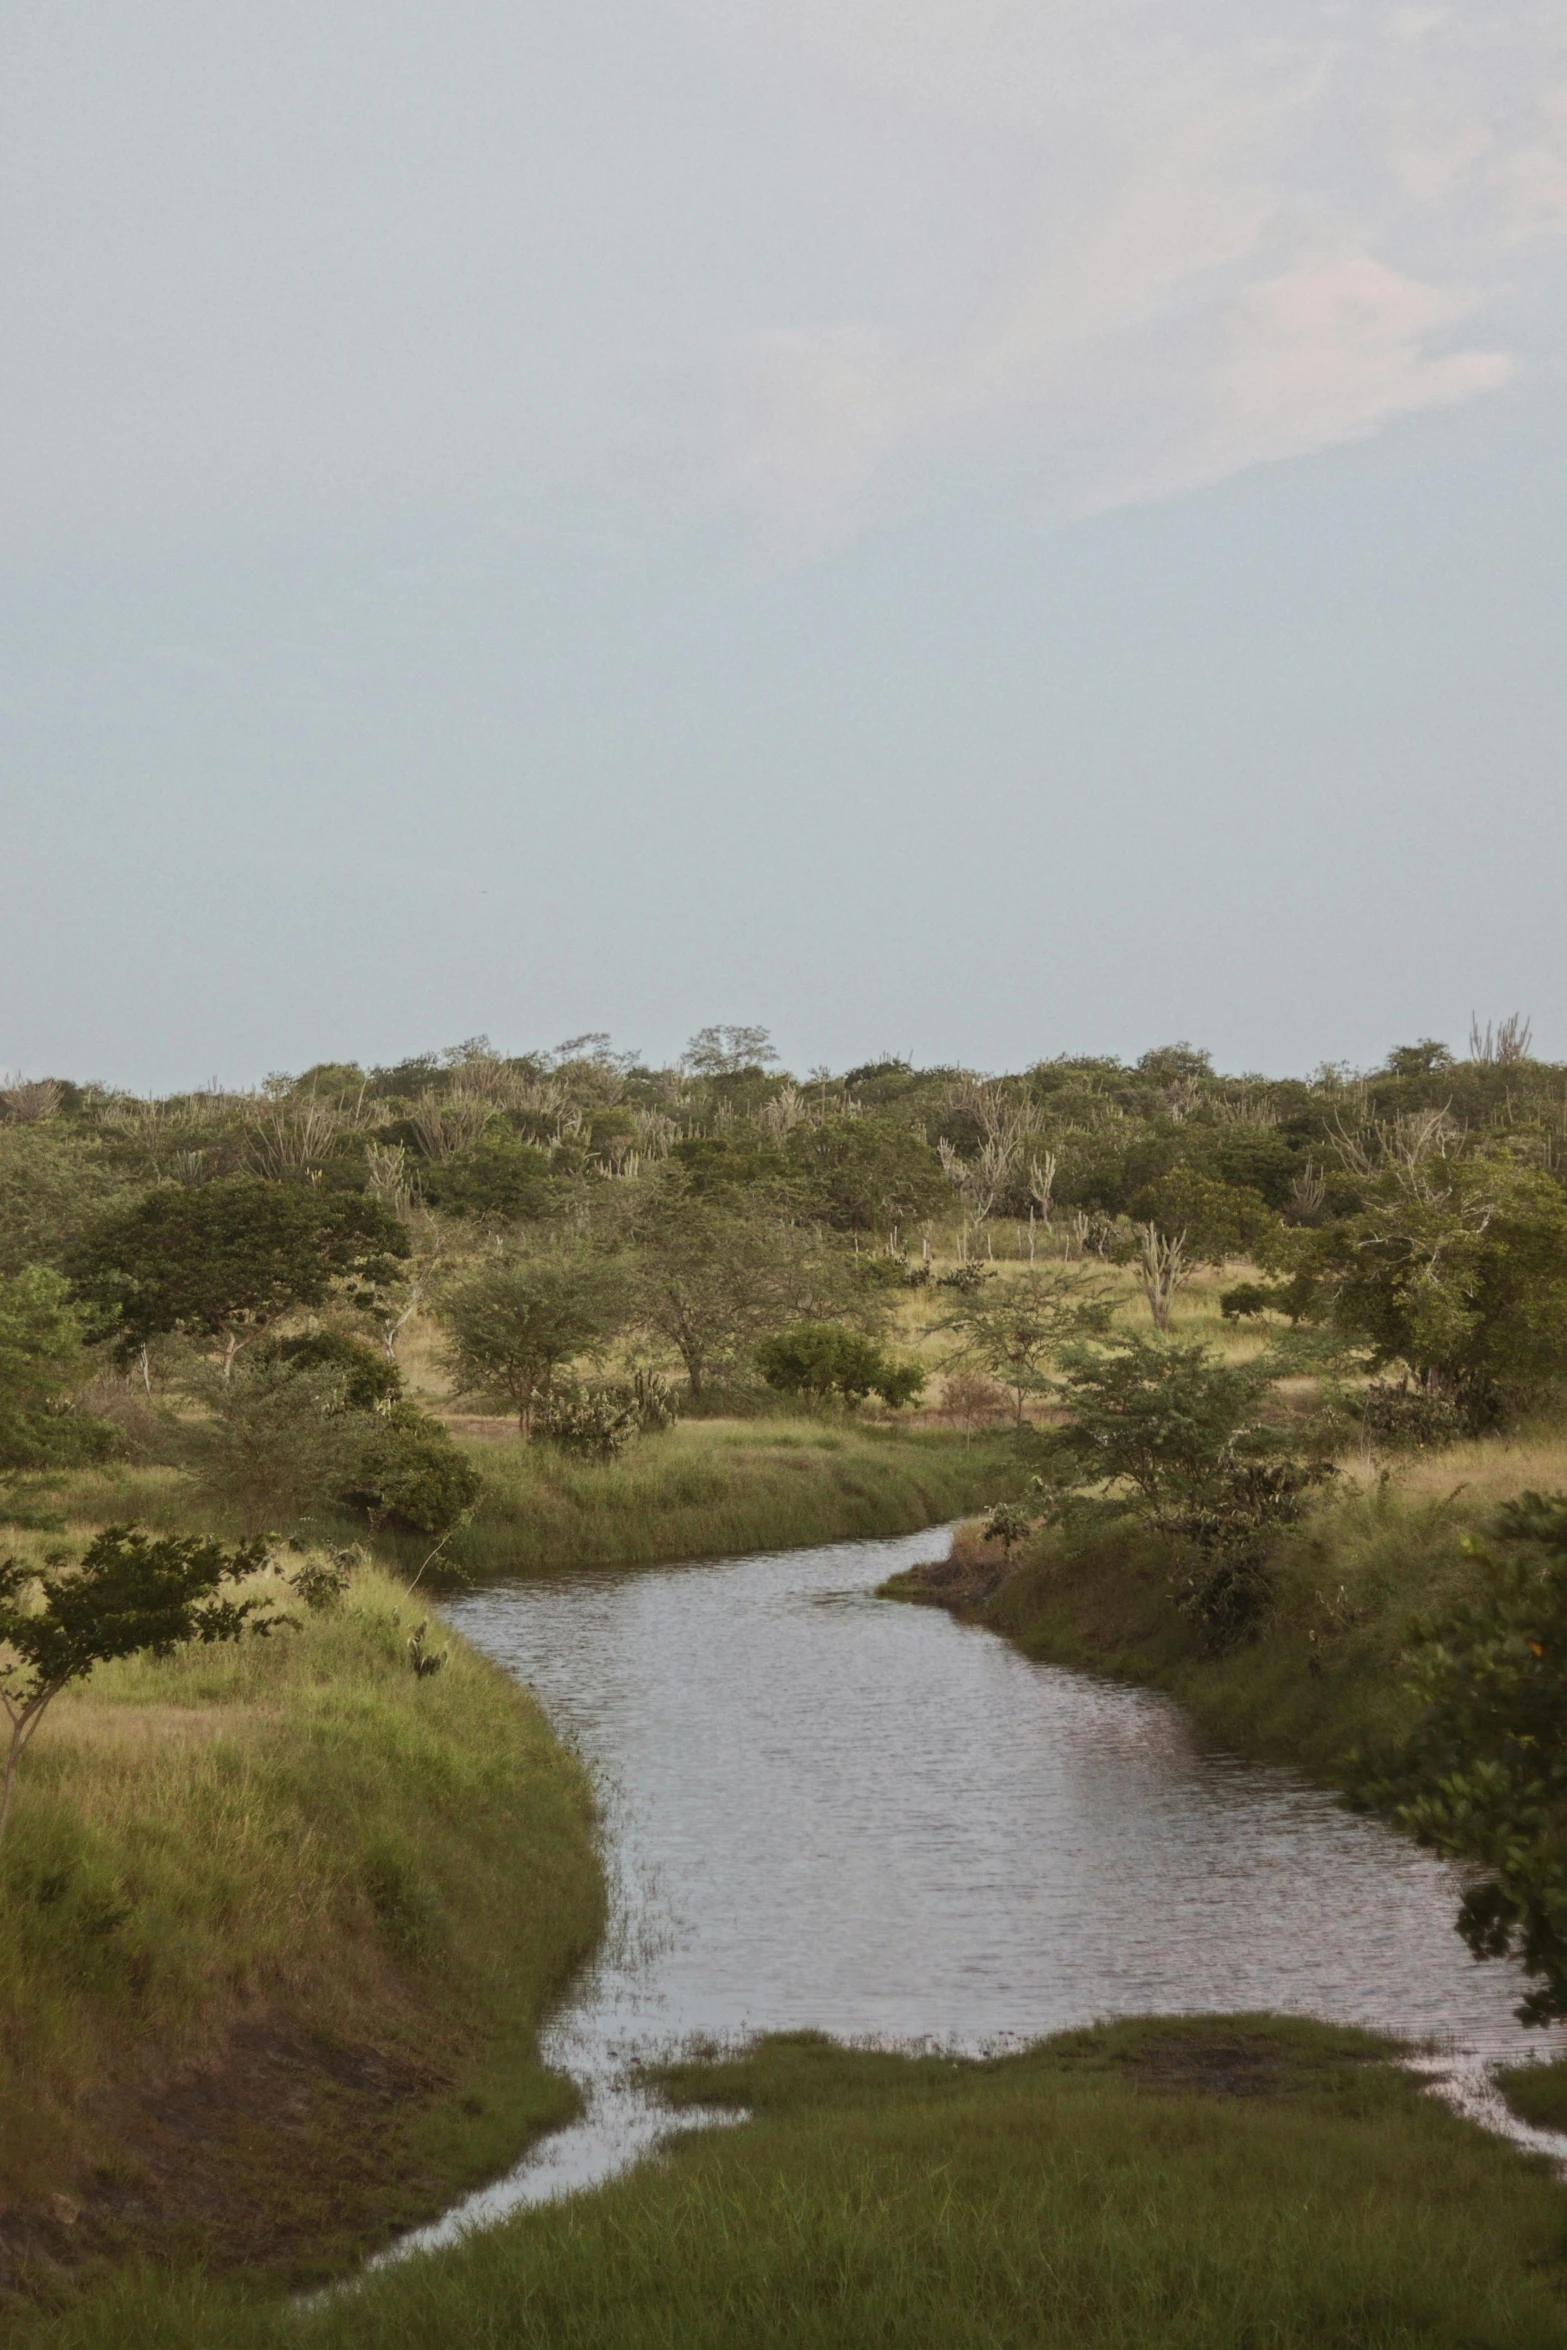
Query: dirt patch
(970,1576)
(1223,2066)
(286,2152)
(485,1426)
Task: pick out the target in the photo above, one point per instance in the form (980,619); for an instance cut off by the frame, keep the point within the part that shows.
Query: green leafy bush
(823,1359)
(408,1472)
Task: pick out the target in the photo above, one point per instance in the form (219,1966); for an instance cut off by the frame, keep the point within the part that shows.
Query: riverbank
(279,1924)
(1320,1683)
(1202,2184)
(701,1489)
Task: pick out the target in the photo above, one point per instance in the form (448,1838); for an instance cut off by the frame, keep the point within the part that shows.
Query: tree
(728,1051)
(275,1441)
(408,1472)
(223,1260)
(1015,1328)
(1168,1420)
(133,1594)
(515,1321)
(1215,1220)
(40,1362)
(823,1359)
(865,1174)
(711,1280)
(1482,1776)
(1455,1265)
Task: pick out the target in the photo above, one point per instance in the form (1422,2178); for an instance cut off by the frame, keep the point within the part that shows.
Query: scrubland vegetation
(1257,1379)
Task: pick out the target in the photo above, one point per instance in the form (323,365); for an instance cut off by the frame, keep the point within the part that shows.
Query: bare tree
(1501,1047)
(1162,1269)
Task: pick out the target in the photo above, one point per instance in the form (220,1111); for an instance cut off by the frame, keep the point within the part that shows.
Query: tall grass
(714,1488)
(1211,2185)
(273,1917)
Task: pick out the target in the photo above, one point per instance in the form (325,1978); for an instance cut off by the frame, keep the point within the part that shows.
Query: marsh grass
(269,1914)
(1198,2184)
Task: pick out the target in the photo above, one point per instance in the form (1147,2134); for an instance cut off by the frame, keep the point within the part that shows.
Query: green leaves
(824,1359)
(216,1259)
(1483,1776)
(40,1361)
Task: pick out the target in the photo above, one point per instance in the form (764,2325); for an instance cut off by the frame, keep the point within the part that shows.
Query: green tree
(514,1322)
(274,1441)
(822,1359)
(223,1260)
(866,1174)
(408,1472)
(40,1363)
(1014,1329)
(1169,1420)
(1215,1220)
(712,1279)
(1482,1777)
(133,1594)
(1456,1266)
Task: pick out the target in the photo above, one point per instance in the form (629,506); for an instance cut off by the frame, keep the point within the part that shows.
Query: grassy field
(278,1923)
(1197,2185)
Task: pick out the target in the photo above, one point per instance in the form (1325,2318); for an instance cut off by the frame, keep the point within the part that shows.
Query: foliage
(323,1579)
(1216,1220)
(1169,1419)
(712,1279)
(1483,1775)
(274,1443)
(1009,1523)
(1457,1267)
(222,1260)
(368,1375)
(866,1174)
(823,1359)
(1246,1301)
(515,1321)
(1015,1329)
(594,1422)
(40,1364)
(500,1177)
(726,1050)
(407,1472)
(1408,1416)
(133,1593)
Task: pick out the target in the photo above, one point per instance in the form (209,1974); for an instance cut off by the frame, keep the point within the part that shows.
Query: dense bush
(407,1472)
(369,1376)
(823,1359)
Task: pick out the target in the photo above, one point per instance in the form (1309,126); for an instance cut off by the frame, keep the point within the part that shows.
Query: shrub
(369,1376)
(407,1472)
(822,1359)
(1409,1417)
(596,1423)
(275,1443)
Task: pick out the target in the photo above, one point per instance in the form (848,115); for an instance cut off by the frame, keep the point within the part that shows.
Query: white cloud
(267,265)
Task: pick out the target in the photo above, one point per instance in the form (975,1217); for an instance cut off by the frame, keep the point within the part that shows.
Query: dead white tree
(1162,1269)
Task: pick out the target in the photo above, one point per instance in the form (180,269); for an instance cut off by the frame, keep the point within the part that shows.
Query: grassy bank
(719,1488)
(1200,2185)
(277,1927)
(703,1489)
(1321,1679)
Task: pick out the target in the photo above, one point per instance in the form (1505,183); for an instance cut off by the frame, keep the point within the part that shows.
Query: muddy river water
(822,1809)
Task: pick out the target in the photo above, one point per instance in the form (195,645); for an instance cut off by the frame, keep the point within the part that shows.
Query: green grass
(719,1488)
(278,1923)
(1537,2093)
(703,1489)
(1212,2184)
(1322,1678)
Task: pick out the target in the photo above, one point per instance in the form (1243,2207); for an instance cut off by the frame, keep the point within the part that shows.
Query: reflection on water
(825,1811)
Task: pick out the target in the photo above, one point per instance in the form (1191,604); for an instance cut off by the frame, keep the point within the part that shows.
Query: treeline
(721,1226)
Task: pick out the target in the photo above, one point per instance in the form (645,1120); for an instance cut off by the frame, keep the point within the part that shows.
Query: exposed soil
(285,2153)
(972,1574)
(1221,2066)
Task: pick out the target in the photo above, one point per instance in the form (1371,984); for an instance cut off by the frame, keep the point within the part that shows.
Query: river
(825,1810)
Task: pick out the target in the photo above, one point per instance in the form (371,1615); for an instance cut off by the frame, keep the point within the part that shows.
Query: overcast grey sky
(972,527)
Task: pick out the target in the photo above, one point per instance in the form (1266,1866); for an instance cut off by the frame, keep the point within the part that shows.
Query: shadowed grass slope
(1209,2184)
(277,1925)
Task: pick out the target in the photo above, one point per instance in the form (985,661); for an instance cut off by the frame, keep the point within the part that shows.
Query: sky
(973,529)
